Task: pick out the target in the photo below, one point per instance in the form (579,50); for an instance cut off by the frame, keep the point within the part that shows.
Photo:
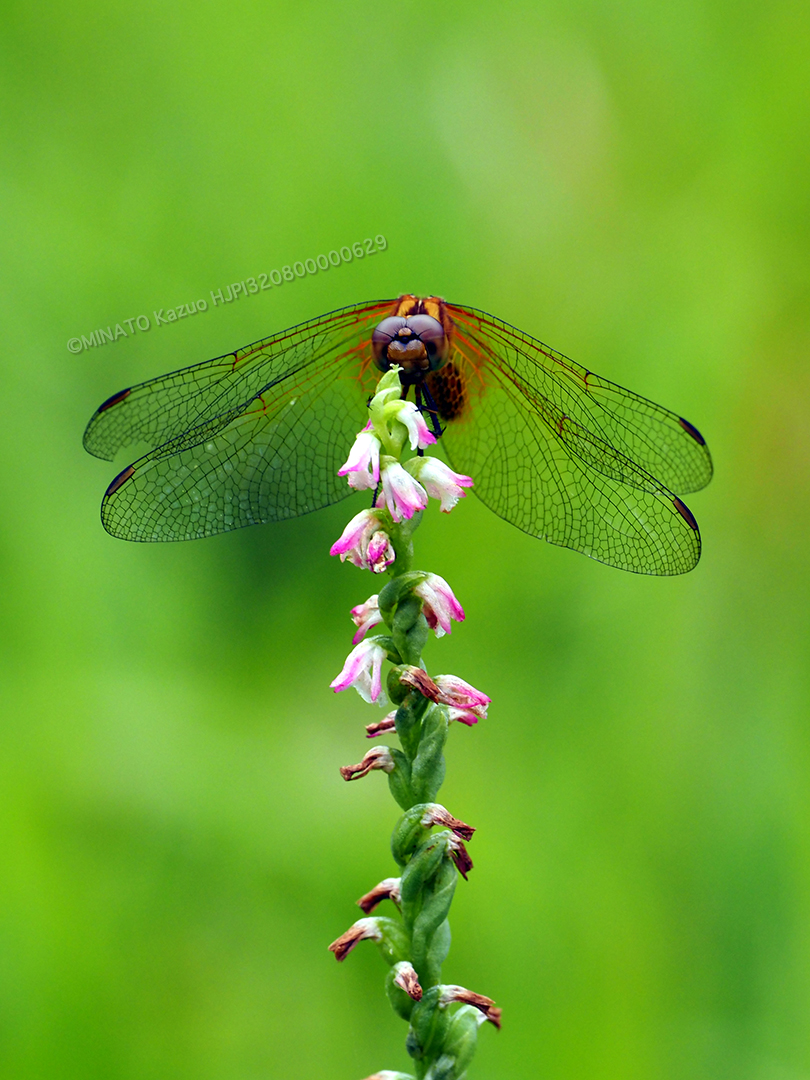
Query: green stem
(402,542)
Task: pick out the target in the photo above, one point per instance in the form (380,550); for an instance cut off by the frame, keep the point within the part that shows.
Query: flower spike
(428,842)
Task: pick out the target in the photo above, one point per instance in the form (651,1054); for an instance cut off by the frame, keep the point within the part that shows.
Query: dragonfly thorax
(418,342)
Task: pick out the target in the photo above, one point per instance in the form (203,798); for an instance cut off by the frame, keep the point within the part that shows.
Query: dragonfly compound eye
(384,334)
(431,333)
(418,344)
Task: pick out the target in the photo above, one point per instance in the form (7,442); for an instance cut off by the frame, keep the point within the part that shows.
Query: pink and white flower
(458,694)
(364,616)
(464,716)
(419,434)
(401,493)
(365,543)
(380,552)
(464,702)
(439,480)
(363,463)
(439,605)
(363,670)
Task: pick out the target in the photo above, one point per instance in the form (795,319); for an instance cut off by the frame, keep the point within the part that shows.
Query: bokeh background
(626,181)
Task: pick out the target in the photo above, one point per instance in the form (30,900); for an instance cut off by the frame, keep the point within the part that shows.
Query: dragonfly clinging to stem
(259,434)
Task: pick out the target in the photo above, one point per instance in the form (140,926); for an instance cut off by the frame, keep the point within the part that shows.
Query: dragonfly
(258,435)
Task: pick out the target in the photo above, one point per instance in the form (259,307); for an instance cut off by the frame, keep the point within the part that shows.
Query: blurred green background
(626,181)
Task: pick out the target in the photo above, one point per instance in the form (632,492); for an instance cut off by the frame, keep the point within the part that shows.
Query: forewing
(276,459)
(660,441)
(166,407)
(545,472)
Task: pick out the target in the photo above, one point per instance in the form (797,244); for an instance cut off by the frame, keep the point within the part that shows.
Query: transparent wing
(273,458)
(660,441)
(536,464)
(163,408)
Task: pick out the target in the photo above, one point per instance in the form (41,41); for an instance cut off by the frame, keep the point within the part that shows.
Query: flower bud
(389,387)
(378,757)
(388,889)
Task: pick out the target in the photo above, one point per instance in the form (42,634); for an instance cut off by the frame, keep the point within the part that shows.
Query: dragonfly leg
(417,393)
(425,402)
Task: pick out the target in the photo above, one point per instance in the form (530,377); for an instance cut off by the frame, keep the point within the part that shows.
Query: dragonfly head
(418,343)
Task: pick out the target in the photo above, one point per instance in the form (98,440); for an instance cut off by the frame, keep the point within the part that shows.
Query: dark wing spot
(693,431)
(120,479)
(685,513)
(108,404)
